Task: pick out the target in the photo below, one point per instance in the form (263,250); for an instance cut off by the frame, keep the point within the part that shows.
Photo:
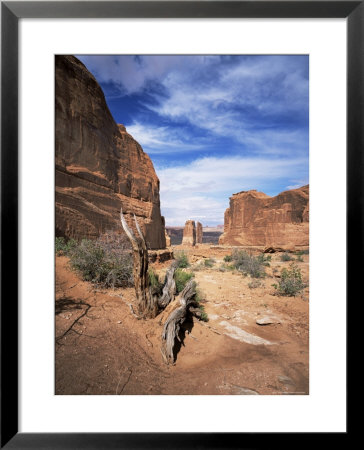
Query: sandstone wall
(254,218)
(99,166)
(189,233)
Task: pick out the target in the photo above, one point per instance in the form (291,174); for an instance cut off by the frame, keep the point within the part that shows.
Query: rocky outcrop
(99,166)
(189,233)
(254,218)
(199,233)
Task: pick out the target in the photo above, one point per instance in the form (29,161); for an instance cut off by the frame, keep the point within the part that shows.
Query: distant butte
(255,219)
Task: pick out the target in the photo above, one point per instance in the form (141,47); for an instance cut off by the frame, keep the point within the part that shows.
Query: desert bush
(290,283)
(103,262)
(228,258)
(247,264)
(198,300)
(182,259)
(63,247)
(299,258)
(209,262)
(286,257)
(255,284)
(264,260)
(181,278)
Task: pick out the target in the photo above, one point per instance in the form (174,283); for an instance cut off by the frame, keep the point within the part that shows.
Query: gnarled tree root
(173,323)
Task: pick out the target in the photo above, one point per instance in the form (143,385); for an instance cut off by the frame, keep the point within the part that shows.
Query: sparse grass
(182,259)
(209,262)
(182,277)
(225,267)
(286,257)
(106,261)
(248,264)
(63,247)
(290,283)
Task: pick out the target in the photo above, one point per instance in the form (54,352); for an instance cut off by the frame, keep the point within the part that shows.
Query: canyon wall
(254,218)
(99,166)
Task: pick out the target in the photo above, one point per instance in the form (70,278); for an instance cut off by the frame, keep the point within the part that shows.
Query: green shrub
(181,278)
(198,299)
(182,260)
(209,262)
(156,285)
(286,257)
(64,247)
(264,260)
(290,283)
(247,264)
(299,258)
(228,258)
(99,262)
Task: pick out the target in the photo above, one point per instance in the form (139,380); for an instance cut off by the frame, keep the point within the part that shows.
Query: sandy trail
(101,348)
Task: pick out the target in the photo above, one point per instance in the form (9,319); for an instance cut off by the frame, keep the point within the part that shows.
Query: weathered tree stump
(149,305)
(175,320)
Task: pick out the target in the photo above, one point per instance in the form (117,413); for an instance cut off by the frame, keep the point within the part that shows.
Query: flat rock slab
(268,320)
(243,336)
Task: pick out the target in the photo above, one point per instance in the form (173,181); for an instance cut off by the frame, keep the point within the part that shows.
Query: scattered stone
(285,380)
(267,320)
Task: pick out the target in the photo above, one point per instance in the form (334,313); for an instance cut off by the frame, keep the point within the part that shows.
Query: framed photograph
(157,164)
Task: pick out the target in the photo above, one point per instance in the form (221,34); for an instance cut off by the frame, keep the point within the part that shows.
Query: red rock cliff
(99,166)
(254,218)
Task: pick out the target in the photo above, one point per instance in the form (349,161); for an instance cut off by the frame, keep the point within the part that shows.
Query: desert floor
(101,348)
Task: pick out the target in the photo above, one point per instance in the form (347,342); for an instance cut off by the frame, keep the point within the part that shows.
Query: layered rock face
(199,233)
(189,233)
(254,218)
(99,166)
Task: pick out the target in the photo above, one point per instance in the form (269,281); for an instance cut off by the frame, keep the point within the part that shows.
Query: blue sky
(212,125)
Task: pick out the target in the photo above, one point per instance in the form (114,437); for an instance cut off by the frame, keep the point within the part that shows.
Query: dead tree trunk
(148,305)
(175,320)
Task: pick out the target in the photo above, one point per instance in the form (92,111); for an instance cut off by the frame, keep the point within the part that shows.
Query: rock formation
(254,218)
(168,239)
(199,233)
(189,233)
(99,166)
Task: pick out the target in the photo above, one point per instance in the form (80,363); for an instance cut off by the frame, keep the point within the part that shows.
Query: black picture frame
(11,12)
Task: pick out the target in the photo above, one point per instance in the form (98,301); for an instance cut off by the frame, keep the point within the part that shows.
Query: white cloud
(159,140)
(203,187)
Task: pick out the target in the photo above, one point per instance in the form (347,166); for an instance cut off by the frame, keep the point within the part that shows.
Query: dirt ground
(101,348)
